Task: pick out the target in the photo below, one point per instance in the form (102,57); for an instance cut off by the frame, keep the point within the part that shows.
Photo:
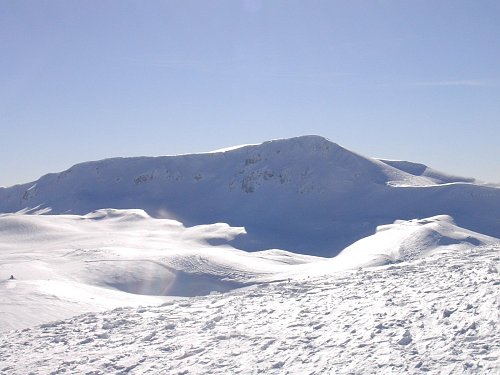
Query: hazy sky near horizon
(86,80)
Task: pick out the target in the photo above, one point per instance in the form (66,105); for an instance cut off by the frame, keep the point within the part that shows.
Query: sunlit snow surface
(305,194)
(413,287)
(429,301)
(436,315)
(68,264)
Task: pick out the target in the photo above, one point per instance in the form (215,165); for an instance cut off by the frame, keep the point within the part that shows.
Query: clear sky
(85,80)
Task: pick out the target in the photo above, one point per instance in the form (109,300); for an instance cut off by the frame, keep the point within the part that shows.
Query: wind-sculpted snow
(418,169)
(413,239)
(437,315)
(68,264)
(304,194)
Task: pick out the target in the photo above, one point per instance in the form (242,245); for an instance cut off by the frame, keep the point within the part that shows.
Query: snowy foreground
(66,265)
(435,315)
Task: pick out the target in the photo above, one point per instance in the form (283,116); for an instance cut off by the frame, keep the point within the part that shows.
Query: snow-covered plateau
(294,256)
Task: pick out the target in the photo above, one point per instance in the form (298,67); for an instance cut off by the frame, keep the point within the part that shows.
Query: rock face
(302,194)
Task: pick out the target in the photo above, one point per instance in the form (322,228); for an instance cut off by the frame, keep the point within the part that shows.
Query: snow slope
(418,169)
(413,239)
(303,194)
(69,264)
(437,315)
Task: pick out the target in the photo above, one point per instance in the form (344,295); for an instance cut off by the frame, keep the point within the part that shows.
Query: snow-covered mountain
(136,266)
(303,194)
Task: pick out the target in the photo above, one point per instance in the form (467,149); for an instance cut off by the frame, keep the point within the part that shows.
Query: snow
(418,169)
(231,148)
(67,264)
(412,239)
(435,315)
(353,265)
(305,194)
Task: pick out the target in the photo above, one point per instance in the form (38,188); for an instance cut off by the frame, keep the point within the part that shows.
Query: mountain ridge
(304,194)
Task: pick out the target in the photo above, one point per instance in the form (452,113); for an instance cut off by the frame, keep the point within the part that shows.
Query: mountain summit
(304,194)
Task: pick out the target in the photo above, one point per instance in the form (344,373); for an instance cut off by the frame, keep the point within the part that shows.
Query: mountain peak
(312,142)
(305,141)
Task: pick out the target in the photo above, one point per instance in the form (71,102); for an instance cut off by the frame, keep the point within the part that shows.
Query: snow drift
(68,264)
(412,239)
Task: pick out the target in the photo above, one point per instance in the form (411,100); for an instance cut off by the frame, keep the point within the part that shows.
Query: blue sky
(85,80)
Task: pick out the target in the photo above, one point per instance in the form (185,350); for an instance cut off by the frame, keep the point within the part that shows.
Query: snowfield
(294,256)
(68,264)
(418,295)
(436,315)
